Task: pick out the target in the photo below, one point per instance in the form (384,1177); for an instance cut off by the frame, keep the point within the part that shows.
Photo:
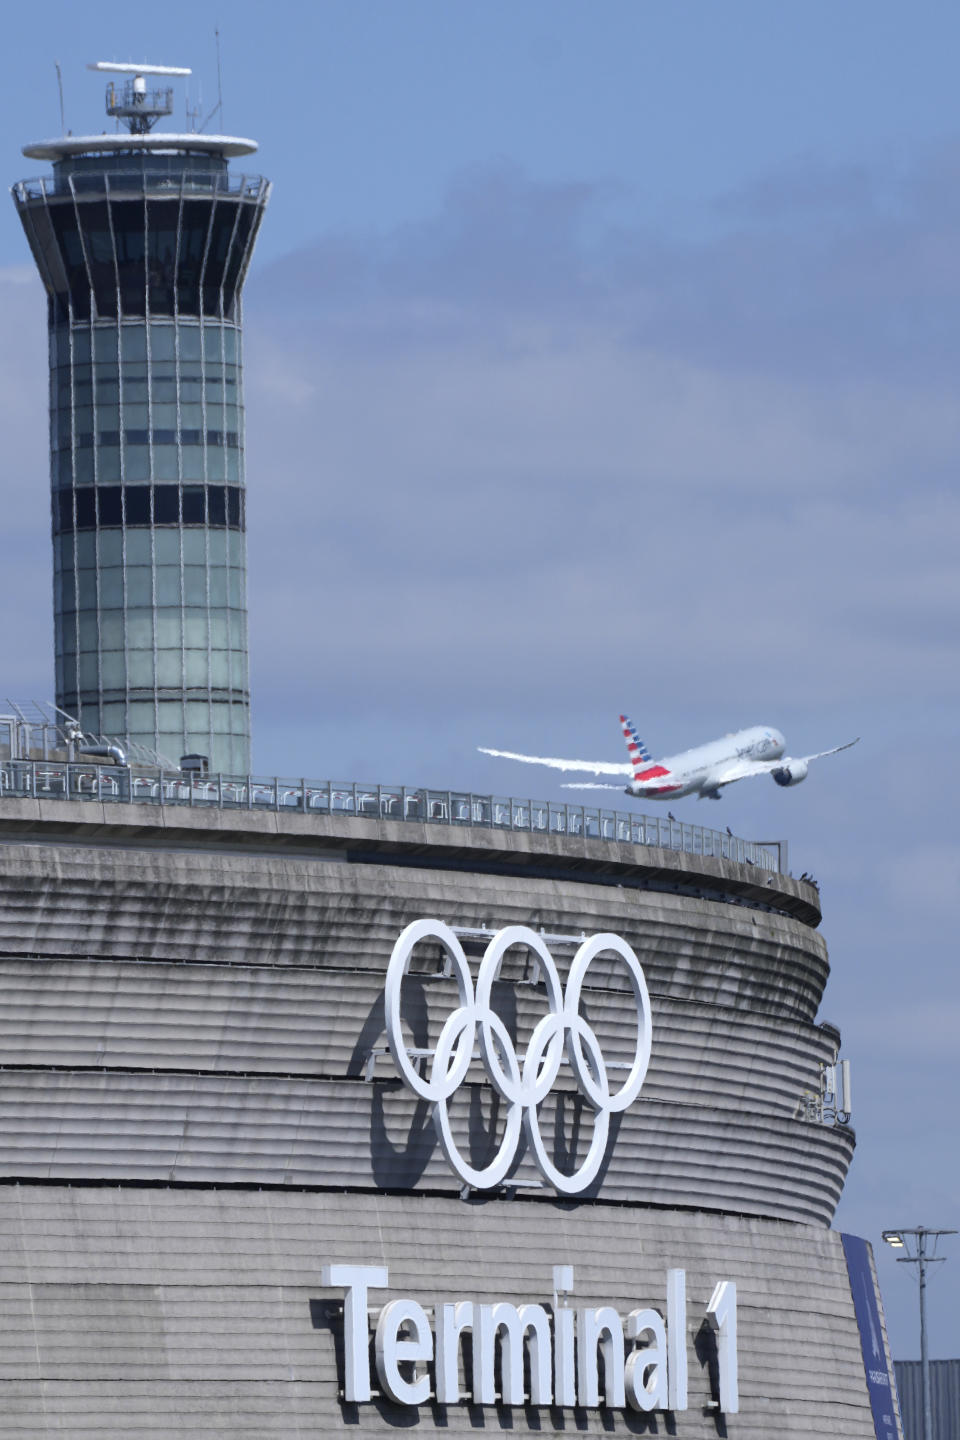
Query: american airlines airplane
(702,771)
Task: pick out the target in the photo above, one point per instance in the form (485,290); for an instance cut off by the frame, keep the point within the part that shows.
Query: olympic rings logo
(562,1033)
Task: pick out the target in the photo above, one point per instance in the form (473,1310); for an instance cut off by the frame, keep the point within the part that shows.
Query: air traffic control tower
(143,239)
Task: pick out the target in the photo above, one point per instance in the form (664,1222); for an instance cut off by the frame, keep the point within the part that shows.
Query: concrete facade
(195,1117)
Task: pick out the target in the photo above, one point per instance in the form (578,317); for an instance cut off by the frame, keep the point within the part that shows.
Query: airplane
(703,771)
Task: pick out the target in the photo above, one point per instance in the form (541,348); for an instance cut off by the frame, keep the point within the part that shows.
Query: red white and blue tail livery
(703,771)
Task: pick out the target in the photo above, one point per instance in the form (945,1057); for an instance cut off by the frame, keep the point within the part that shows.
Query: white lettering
(393,1351)
(561,1352)
(677,1339)
(646,1369)
(454,1319)
(600,1330)
(355,1280)
(530,1323)
(722,1314)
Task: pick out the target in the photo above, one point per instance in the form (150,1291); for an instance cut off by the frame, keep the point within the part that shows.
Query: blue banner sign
(880,1382)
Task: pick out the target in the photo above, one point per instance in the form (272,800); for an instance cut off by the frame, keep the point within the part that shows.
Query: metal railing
(123,183)
(54,780)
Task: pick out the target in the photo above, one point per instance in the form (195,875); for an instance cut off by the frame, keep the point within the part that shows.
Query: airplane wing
(587,767)
(744,769)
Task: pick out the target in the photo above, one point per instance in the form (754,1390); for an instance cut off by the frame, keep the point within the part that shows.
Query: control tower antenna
(138,107)
(219,104)
(63,118)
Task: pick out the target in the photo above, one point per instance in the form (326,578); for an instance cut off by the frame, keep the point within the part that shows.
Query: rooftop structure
(143,239)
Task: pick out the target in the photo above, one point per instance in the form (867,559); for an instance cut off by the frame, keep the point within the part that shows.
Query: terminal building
(340,1106)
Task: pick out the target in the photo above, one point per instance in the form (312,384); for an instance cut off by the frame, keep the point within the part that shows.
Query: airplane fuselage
(693,772)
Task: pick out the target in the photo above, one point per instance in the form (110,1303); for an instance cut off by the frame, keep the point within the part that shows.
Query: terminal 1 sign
(587,1357)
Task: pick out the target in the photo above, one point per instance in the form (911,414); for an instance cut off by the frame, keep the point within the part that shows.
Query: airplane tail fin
(640,757)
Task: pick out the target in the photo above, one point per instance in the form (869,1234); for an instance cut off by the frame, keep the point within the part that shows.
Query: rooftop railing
(126,182)
(55,780)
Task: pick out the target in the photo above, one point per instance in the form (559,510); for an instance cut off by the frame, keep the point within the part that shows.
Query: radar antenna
(133,103)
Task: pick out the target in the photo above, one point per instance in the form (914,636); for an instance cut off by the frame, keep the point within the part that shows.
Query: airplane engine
(792,773)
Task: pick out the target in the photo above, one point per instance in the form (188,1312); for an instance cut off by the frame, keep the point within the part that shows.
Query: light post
(920,1252)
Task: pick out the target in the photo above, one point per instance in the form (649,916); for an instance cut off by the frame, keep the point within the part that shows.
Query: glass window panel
(211,342)
(194,505)
(105,344)
(189,343)
(217,505)
(111,631)
(216,464)
(166,505)
(111,545)
(111,587)
(113,719)
(87,670)
(164,415)
(86,546)
(108,464)
(139,585)
(233,466)
(198,715)
(230,342)
(136,502)
(218,586)
(140,668)
(135,390)
(137,541)
(169,745)
(165,462)
(195,629)
(64,467)
(238,678)
(194,546)
(169,630)
(89,718)
(140,630)
(136,464)
(81,345)
(63,509)
(169,668)
(219,633)
(221,717)
(239,719)
(192,460)
(237,589)
(87,590)
(135,420)
(191,415)
(197,673)
(161,342)
(194,585)
(109,507)
(83,467)
(108,417)
(233,507)
(166,547)
(168,585)
(112,670)
(140,716)
(68,593)
(133,343)
(58,674)
(220,668)
(170,715)
(85,509)
(236,547)
(217,547)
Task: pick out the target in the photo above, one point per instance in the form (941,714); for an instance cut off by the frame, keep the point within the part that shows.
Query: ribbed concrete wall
(198,1313)
(192,1001)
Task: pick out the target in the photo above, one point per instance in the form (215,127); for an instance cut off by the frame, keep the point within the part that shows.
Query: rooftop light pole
(920,1252)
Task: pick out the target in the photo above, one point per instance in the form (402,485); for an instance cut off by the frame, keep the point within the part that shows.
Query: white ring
(524,1086)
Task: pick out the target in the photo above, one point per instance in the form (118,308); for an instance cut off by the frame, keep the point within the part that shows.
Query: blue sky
(598,357)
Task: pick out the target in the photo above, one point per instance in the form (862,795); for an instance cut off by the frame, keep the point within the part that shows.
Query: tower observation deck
(143,239)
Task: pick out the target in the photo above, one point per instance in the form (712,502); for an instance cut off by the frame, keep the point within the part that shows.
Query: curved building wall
(143,258)
(198,1111)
